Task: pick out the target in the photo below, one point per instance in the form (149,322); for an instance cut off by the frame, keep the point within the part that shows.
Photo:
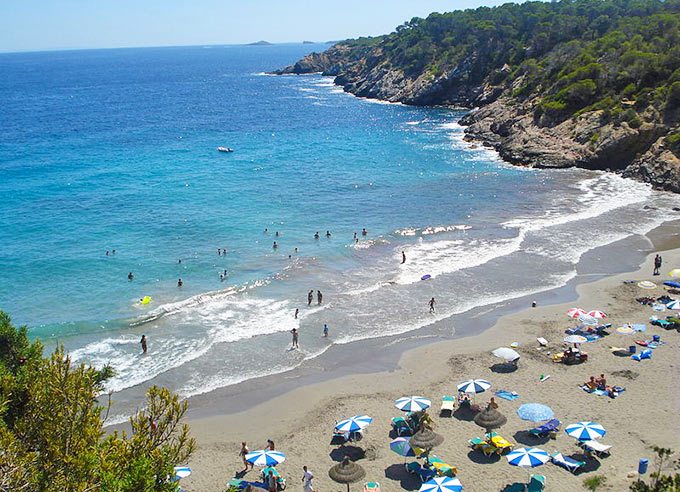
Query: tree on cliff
(51,427)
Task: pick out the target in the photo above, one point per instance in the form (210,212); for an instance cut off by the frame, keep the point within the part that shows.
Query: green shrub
(594,483)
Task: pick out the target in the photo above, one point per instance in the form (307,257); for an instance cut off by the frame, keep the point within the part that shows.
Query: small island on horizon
(260,43)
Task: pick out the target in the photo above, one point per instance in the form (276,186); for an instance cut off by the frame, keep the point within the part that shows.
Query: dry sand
(301,421)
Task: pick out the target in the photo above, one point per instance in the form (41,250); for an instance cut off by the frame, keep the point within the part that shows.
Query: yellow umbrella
(675,273)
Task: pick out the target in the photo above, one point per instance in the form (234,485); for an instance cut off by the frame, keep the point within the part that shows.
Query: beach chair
(448,402)
(596,448)
(542,341)
(500,444)
(371,487)
(566,462)
(445,469)
(547,429)
(422,472)
(401,426)
(536,483)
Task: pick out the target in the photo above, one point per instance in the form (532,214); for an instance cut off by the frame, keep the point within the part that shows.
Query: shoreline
(289,401)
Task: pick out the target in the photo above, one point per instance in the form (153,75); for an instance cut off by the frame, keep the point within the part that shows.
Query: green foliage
(51,428)
(672,141)
(595,482)
(660,482)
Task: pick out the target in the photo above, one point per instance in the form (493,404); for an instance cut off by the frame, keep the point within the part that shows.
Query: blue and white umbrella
(353,424)
(673,305)
(442,484)
(585,431)
(535,412)
(265,457)
(474,386)
(402,446)
(528,457)
(180,473)
(412,403)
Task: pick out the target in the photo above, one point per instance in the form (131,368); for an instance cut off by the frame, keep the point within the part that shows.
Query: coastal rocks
(658,166)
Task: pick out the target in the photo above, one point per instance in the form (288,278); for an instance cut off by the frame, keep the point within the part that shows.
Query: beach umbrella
(597,314)
(535,412)
(490,418)
(586,319)
(474,386)
(346,472)
(575,339)
(575,312)
(402,446)
(646,284)
(353,424)
(426,439)
(412,403)
(506,353)
(180,473)
(625,330)
(441,484)
(585,431)
(673,305)
(528,457)
(675,273)
(265,457)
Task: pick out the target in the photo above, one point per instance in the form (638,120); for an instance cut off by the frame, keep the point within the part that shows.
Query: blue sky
(64,24)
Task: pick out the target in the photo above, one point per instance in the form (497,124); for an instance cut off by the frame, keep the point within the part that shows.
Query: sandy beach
(301,421)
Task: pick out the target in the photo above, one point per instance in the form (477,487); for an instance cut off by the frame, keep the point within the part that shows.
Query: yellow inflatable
(145,300)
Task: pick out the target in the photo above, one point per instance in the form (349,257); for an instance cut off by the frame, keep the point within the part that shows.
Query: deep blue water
(116,149)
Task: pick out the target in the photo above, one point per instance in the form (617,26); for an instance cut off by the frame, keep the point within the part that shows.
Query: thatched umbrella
(490,418)
(425,439)
(346,472)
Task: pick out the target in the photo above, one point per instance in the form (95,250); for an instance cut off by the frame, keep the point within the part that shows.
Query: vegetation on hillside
(619,56)
(51,427)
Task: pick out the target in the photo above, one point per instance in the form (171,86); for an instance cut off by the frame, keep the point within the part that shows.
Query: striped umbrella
(597,314)
(528,457)
(585,431)
(402,446)
(474,386)
(575,312)
(412,403)
(265,457)
(673,305)
(535,412)
(353,424)
(575,339)
(180,473)
(442,484)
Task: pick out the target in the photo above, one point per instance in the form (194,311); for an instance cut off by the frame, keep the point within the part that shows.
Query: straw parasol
(425,438)
(490,418)
(346,472)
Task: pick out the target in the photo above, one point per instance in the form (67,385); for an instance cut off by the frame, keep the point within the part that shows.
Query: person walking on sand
(403,257)
(325,330)
(143,342)
(657,264)
(244,451)
(297,311)
(295,338)
(307,480)
(310,297)
(432,303)
(319,297)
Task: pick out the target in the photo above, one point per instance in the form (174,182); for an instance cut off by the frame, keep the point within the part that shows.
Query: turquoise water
(116,149)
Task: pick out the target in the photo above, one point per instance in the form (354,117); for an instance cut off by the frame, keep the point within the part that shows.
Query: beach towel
(507,395)
(639,327)
(645,354)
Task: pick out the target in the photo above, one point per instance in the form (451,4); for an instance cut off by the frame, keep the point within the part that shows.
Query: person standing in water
(297,311)
(295,338)
(432,303)
(274,246)
(328,233)
(364,231)
(403,257)
(130,276)
(319,297)
(310,297)
(316,235)
(325,330)
(179,282)
(143,342)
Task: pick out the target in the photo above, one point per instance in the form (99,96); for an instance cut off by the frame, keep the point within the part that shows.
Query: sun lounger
(536,484)
(549,428)
(402,426)
(422,472)
(448,403)
(371,487)
(542,341)
(566,462)
(595,447)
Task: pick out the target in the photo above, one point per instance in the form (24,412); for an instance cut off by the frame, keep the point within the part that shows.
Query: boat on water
(225,149)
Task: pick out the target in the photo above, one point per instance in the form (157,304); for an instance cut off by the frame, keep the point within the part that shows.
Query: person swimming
(130,276)
(179,282)
(316,235)
(364,231)
(328,233)
(275,245)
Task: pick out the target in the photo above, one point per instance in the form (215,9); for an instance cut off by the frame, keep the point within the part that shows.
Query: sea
(104,150)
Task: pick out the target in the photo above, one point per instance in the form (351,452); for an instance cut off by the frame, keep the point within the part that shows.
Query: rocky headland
(572,102)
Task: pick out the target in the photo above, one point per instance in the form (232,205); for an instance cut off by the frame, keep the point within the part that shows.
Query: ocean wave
(426,231)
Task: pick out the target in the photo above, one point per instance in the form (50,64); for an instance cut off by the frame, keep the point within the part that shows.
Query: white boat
(225,149)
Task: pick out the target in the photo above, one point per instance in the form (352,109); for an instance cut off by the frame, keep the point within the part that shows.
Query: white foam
(429,230)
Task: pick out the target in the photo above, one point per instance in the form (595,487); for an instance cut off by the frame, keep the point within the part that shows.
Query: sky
(30,25)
